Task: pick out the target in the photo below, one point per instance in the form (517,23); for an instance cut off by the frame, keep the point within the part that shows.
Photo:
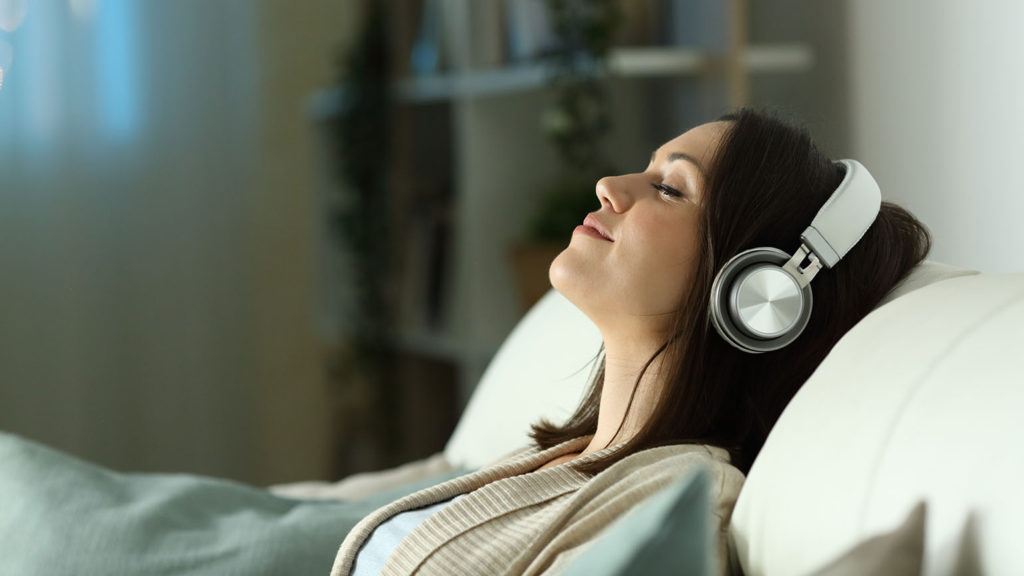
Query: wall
(301,47)
(156,310)
(819,99)
(936,115)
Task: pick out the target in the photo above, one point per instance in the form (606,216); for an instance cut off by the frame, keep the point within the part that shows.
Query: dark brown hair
(766,182)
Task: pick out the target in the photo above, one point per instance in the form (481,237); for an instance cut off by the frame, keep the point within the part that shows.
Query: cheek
(665,268)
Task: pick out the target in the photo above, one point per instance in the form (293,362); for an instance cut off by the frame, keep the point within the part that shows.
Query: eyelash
(666,189)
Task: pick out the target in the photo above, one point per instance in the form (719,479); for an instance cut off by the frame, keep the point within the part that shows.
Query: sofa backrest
(922,400)
(541,370)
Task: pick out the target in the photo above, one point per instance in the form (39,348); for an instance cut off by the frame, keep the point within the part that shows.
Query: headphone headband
(846,215)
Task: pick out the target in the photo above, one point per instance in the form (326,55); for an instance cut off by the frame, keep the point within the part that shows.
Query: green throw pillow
(62,516)
(669,533)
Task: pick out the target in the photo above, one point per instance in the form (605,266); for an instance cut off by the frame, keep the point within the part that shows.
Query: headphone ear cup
(742,281)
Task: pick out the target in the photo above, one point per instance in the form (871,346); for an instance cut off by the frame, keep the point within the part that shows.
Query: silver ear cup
(765,301)
(756,305)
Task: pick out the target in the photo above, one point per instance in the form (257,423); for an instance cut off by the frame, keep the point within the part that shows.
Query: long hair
(766,182)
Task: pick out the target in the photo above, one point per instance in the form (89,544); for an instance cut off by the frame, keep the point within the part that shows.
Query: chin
(558,270)
(566,276)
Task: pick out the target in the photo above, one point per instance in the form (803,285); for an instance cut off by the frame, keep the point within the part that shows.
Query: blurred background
(276,241)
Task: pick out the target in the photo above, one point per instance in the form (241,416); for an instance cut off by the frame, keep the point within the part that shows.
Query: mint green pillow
(669,533)
(61,516)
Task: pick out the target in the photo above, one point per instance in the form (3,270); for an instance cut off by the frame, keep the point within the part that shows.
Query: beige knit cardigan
(515,520)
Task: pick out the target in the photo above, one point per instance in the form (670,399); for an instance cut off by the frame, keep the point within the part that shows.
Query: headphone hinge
(803,274)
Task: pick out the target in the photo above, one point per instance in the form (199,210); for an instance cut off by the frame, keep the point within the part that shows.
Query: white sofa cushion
(925,273)
(541,369)
(923,399)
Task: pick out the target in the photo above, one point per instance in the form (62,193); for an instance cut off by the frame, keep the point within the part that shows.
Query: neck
(621,417)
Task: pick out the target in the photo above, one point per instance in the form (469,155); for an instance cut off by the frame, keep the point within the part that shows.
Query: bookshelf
(622,63)
(470,158)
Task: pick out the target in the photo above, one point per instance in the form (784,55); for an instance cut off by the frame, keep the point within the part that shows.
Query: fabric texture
(63,516)
(669,534)
(896,553)
(379,546)
(519,520)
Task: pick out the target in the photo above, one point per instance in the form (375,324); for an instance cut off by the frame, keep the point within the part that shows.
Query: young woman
(671,393)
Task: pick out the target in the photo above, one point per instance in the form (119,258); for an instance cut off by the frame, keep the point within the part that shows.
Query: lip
(592,222)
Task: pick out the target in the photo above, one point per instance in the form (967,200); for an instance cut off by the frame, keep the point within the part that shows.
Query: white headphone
(761,299)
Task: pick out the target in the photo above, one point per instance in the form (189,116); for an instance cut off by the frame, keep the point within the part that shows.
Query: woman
(670,394)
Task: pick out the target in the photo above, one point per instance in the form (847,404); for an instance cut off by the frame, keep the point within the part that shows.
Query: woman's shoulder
(681,455)
(665,464)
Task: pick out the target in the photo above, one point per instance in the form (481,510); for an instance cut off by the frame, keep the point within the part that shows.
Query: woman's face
(641,274)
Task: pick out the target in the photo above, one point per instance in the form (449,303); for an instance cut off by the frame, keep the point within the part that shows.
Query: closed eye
(667,190)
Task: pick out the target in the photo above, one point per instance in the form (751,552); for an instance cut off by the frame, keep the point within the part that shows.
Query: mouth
(593,223)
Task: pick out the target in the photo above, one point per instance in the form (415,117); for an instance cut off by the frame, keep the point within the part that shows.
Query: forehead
(698,142)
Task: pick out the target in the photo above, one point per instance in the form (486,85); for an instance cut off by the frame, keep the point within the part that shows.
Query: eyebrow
(672,157)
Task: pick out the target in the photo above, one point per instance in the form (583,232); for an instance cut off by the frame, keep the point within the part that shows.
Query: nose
(613,192)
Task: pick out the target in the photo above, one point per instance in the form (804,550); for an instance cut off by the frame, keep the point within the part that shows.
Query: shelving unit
(622,62)
(489,120)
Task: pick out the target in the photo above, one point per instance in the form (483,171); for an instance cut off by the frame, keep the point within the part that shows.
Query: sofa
(900,455)
(921,403)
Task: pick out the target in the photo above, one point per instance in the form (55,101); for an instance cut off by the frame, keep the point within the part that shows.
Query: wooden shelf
(671,61)
(623,62)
